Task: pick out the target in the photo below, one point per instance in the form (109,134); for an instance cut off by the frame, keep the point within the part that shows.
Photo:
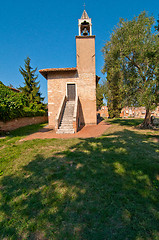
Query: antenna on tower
(84,5)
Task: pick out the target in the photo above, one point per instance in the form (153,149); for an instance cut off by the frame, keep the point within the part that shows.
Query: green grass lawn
(103,188)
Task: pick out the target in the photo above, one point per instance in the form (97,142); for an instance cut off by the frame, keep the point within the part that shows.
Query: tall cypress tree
(99,96)
(157,27)
(31,87)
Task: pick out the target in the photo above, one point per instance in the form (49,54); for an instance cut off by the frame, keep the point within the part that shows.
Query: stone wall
(103,112)
(84,79)
(57,89)
(85,55)
(21,122)
(129,112)
(138,112)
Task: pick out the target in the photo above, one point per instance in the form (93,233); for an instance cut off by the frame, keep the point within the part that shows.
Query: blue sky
(45,31)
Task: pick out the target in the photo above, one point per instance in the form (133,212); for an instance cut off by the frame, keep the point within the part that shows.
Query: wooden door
(71,92)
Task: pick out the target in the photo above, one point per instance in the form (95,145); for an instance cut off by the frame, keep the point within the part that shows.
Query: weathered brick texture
(84,79)
(129,112)
(138,112)
(21,122)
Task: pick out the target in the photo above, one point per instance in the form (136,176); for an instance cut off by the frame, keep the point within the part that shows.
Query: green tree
(99,96)
(157,27)
(113,92)
(11,103)
(31,87)
(132,62)
(15,105)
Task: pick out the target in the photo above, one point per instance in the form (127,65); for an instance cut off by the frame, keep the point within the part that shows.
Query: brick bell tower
(85,55)
(72,91)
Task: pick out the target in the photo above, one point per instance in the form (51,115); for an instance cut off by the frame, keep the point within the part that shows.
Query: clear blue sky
(45,31)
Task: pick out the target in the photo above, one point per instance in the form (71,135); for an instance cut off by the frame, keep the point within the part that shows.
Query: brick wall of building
(57,89)
(139,112)
(84,79)
(103,112)
(21,122)
(129,112)
(85,54)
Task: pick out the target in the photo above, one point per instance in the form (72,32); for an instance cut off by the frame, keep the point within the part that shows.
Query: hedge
(15,105)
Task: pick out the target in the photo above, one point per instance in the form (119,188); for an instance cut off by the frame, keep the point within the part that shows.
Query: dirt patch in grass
(155,139)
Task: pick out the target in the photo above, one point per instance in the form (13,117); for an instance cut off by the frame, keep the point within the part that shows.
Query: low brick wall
(21,122)
(129,112)
(103,112)
(138,112)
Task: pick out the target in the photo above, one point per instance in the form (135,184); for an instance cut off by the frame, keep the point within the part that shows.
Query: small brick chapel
(72,91)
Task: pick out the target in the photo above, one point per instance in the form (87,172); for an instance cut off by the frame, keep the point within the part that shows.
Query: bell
(85,33)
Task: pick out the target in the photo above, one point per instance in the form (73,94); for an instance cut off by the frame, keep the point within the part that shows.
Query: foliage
(157,27)
(96,188)
(132,63)
(99,96)
(26,103)
(15,105)
(29,112)
(31,87)
(11,103)
(113,93)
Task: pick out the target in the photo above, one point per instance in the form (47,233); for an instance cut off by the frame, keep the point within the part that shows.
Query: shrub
(15,105)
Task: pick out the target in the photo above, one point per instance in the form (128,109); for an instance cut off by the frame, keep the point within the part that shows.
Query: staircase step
(65,131)
(70,102)
(68,117)
(68,110)
(68,114)
(66,124)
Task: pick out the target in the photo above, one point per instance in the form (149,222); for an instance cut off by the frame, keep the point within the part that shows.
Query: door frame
(75,88)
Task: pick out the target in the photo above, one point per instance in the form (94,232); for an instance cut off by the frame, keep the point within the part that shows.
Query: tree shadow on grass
(103,188)
(126,122)
(23,131)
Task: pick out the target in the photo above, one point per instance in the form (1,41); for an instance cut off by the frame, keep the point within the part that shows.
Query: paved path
(88,131)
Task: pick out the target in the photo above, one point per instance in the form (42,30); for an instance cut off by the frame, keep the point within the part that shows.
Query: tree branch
(137,66)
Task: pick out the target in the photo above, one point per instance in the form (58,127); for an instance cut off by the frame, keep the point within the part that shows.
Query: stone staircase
(66,124)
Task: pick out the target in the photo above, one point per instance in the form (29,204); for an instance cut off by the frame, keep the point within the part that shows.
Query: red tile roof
(44,72)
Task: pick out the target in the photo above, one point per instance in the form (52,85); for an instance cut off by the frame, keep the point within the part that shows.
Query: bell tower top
(85,25)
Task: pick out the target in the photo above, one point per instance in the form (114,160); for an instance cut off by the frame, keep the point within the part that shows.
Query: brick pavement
(88,131)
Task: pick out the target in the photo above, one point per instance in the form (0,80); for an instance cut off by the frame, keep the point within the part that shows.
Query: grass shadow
(126,122)
(98,188)
(22,131)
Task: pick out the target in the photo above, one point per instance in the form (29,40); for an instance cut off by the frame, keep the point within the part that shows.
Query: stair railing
(76,115)
(60,112)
